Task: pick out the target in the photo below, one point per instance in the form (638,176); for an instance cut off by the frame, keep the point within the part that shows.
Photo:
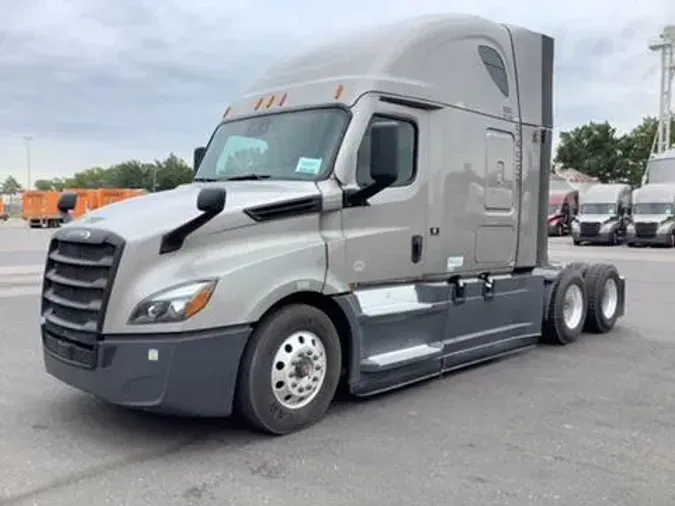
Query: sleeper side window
(406,161)
(495,66)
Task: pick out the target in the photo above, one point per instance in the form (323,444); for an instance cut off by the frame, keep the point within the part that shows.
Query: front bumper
(191,374)
(657,240)
(600,238)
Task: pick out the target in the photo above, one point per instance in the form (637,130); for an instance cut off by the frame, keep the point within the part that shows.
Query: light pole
(28,139)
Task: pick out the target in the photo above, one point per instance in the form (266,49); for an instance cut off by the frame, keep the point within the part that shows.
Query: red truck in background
(563,206)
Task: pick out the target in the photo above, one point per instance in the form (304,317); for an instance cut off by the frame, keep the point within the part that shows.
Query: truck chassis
(281,373)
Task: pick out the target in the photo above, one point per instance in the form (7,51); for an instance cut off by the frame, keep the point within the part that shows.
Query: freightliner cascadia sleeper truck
(653,220)
(373,212)
(604,212)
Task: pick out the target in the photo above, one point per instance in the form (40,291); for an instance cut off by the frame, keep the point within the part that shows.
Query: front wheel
(290,370)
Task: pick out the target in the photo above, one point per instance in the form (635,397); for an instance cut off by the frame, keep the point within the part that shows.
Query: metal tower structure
(665,44)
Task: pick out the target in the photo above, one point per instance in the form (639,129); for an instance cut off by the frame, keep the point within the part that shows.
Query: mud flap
(622,296)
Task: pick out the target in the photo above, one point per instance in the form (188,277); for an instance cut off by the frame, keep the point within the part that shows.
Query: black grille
(589,229)
(646,229)
(78,278)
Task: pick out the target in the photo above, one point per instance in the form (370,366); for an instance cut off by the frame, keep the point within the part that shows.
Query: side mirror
(384,154)
(211,201)
(67,202)
(383,164)
(197,157)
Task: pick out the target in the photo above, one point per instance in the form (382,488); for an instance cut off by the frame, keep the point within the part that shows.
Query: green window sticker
(310,166)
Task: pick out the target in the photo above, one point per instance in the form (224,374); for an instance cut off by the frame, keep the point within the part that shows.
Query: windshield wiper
(248,177)
(205,180)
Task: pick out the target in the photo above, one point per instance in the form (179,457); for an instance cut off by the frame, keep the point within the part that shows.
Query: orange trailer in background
(3,212)
(40,208)
(108,196)
(87,200)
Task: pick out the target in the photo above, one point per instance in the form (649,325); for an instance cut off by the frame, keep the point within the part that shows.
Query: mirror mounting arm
(356,198)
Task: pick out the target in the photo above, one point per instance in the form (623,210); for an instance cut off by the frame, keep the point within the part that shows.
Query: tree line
(599,150)
(596,149)
(155,176)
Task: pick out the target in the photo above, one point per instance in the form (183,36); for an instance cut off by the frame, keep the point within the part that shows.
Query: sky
(96,82)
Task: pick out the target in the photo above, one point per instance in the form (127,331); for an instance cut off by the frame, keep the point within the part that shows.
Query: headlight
(174,304)
(664,227)
(575,225)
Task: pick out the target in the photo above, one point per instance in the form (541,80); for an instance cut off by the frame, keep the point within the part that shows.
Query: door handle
(416,248)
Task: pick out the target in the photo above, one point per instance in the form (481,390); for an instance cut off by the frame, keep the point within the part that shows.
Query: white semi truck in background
(604,213)
(653,220)
(373,212)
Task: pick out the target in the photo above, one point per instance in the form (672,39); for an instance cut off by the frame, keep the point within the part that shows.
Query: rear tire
(290,370)
(576,242)
(602,288)
(566,310)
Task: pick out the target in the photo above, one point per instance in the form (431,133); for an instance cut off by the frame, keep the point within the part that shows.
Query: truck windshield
(661,170)
(598,209)
(290,145)
(653,208)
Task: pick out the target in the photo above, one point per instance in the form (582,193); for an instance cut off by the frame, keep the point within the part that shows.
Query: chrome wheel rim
(610,298)
(573,306)
(298,370)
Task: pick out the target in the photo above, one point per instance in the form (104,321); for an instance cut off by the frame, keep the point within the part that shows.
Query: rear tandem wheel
(566,309)
(601,301)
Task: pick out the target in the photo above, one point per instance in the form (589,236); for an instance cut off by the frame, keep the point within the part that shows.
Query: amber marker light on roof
(270,101)
(258,104)
(227,111)
(283,99)
(338,91)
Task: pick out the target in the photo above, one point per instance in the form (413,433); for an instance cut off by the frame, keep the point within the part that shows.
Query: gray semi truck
(372,213)
(604,212)
(653,220)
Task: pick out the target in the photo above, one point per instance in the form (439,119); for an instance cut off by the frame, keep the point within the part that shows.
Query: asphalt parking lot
(589,424)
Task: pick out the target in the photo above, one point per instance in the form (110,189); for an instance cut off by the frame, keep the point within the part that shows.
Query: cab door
(386,240)
(497,237)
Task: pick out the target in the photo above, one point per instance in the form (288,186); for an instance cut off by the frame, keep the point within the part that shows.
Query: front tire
(290,370)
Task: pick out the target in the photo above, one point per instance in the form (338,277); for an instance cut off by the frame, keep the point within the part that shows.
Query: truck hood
(651,218)
(594,218)
(157,213)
